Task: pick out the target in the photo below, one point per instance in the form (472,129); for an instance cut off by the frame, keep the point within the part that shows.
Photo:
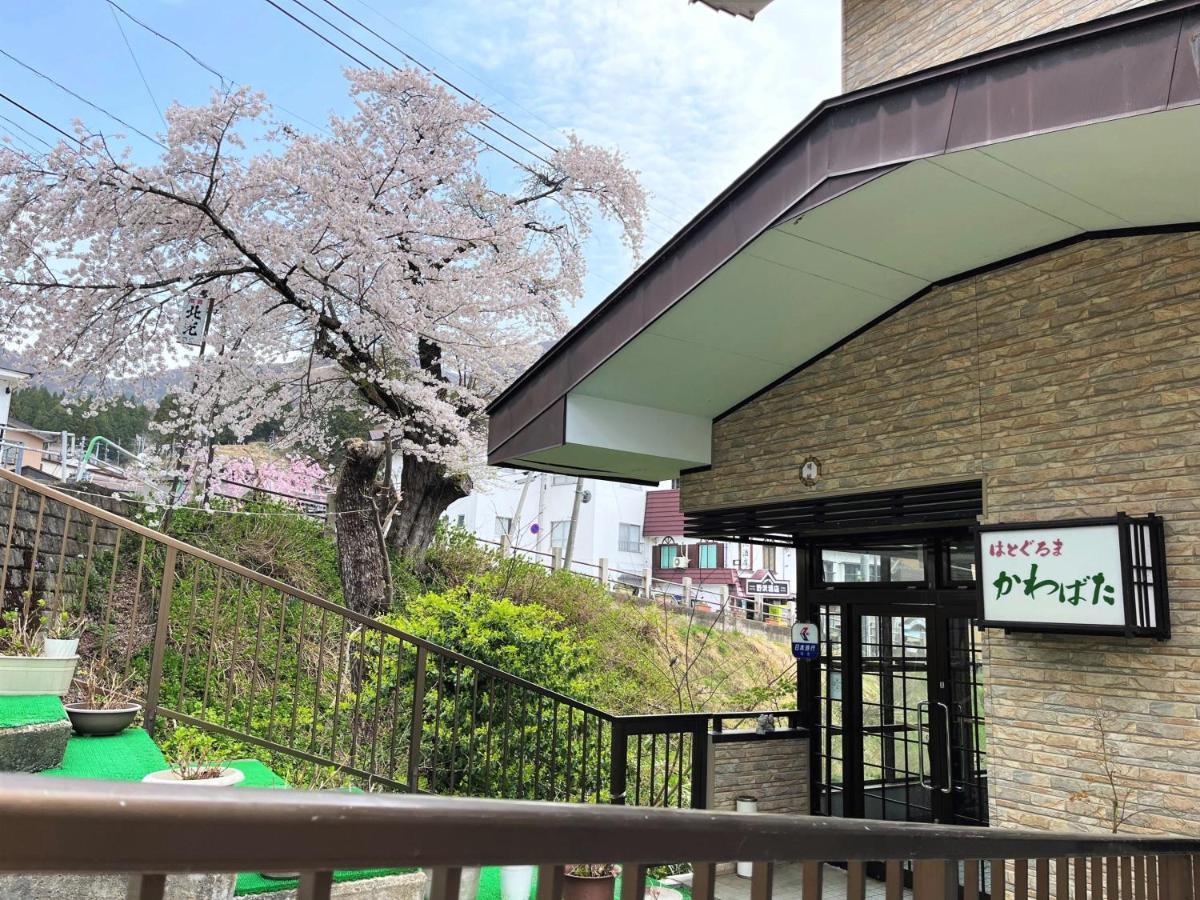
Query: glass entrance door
(901,708)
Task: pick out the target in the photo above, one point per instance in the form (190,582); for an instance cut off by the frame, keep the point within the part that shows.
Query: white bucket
(23,675)
(58,648)
(516,882)
(746,805)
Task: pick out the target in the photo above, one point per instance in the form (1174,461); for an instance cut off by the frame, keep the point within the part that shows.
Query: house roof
(7,374)
(875,198)
(663,517)
(747,9)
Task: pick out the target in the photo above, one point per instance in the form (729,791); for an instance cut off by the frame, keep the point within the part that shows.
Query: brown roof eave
(915,116)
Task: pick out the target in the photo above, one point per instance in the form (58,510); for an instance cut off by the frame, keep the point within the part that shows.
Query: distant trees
(123,422)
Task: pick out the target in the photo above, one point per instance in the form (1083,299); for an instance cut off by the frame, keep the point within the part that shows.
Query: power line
(36,137)
(80,98)
(30,112)
(224,79)
(137,65)
(388,62)
(194,58)
(446,81)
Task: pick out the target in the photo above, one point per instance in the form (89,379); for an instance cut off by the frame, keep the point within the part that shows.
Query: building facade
(973,417)
(535,509)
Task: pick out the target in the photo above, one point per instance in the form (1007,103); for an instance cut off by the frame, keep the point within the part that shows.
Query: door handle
(949,756)
(922,711)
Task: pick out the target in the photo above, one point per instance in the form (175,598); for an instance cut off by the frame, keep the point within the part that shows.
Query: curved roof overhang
(876,197)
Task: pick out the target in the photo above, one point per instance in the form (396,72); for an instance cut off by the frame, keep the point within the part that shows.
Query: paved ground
(788,881)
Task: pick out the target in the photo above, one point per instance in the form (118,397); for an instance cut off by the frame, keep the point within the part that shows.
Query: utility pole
(515,522)
(570,554)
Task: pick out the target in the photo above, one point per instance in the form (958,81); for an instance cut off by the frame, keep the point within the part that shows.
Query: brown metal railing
(210,643)
(149,831)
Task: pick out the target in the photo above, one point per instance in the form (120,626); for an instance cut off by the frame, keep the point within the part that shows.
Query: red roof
(699,577)
(664,518)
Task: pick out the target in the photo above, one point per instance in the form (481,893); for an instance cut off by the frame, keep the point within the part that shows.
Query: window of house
(897,563)
(503,525)
(769,561)
(562,479)
(667,554)
(462,521)
(629,538)
(558,534)
(708,556)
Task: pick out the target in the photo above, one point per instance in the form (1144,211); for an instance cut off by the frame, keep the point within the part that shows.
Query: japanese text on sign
(1052,575)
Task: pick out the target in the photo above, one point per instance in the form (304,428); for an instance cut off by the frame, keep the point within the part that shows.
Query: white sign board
(191,320)
(1053,575)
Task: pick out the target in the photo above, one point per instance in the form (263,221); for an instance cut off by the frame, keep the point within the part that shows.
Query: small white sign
(1053,575)
(191,320)
(805,638)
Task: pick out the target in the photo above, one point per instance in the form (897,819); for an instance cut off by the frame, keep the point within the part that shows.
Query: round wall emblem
(810,471)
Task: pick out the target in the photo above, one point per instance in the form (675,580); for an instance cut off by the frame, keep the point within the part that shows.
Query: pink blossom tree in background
(372,267)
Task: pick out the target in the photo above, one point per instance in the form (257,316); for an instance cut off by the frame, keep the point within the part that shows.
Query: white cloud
(692,97)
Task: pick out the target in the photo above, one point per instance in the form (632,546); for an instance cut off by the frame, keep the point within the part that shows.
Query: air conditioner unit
(680,562)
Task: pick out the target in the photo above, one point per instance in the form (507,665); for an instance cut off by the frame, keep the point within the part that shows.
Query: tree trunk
(362,554)
(426,489)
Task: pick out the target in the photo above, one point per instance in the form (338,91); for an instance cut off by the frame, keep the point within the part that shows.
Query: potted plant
(60,633)
(23,667)
(590,881)
(191,757)
(99,704)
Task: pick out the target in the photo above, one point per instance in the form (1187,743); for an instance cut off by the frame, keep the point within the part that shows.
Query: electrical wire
(137,65)
(351,56)
(79,97)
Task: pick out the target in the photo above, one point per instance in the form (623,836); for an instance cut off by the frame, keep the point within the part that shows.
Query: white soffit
(802,287)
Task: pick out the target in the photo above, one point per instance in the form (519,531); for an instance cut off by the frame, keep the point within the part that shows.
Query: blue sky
(691,96)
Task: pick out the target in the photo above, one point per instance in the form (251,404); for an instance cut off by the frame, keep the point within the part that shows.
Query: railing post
(618,763)
(162,624)
(505,545)
(932,880)
(556,559)
(603,572)
(417,725)
(647,585)
(700,750)
(687,590)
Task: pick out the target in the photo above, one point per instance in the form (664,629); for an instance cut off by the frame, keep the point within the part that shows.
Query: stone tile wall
(1070,383)
(884,39)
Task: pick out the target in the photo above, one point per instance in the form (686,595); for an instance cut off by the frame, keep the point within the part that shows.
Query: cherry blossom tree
(391,263)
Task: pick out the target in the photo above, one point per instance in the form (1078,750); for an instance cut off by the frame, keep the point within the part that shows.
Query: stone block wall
(1070,383)
(773,768)
(884,39)
(58,538)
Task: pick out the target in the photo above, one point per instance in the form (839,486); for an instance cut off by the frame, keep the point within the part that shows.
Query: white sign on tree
(1053,575)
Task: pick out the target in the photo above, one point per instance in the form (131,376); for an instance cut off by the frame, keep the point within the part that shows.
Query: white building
(609,525)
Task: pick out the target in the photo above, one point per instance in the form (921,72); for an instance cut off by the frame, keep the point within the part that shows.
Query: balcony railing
(206,642)
(150,831)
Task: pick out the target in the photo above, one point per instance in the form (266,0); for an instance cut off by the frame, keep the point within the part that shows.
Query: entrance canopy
(876,197)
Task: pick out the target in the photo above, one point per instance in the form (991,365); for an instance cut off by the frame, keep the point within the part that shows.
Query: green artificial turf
(38,709)
(249,883)
(127,756)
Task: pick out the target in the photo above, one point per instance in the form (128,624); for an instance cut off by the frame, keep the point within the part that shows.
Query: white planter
(227,778)
(57,648)
(24,675)
(516,882)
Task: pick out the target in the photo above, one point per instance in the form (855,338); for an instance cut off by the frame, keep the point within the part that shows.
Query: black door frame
(938,599)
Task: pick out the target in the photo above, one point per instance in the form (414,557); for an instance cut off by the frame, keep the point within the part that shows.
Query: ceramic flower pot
(227,778)
(100,722)
(36,675)
(60,648)
(580,887)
